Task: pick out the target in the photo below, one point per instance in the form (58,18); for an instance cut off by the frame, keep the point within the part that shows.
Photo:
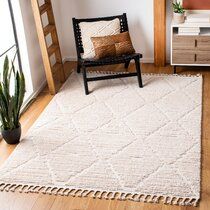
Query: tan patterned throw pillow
(96,29)
(115,45)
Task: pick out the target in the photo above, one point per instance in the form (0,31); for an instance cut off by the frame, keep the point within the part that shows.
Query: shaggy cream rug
(120,142)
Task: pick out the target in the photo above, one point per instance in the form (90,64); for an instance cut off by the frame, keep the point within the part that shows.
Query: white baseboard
(73,58)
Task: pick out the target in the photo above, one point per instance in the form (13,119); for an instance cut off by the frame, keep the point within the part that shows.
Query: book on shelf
(189,31)
(188,34)
(198,18)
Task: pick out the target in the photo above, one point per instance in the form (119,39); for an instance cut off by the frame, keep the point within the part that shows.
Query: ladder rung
(48,29)
(56,67)
(51,70)
(44,8)
(52,49)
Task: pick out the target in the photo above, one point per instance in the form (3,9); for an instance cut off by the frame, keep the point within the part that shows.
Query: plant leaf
(10,105)
(22,91)
(16,96)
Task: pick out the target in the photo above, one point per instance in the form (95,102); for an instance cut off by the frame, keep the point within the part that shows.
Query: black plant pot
(12,136)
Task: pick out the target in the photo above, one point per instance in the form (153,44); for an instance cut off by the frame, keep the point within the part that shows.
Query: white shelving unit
(190,50)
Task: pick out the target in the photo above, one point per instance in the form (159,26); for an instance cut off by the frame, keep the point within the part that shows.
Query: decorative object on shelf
(11,100)
(178,15)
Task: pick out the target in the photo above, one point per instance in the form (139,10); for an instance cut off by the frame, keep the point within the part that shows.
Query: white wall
(140,17)
(34,53)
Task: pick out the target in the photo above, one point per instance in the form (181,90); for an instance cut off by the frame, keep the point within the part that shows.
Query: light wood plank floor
(18,201)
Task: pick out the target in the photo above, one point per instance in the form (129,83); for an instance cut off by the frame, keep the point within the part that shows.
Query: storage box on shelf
(190,47)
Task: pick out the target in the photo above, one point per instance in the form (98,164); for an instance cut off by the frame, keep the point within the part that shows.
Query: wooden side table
(190,50)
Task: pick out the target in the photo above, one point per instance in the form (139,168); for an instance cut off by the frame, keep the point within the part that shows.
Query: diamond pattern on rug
(91,117)
(118,104)
(175,184)
(102,143)
(182,165)
(68,157)
(159,88)
(104,174)
(188,123)
(136,160)
(175,105)
(119,142)
(167,140)
(144,121)
(115,127)
(100,89)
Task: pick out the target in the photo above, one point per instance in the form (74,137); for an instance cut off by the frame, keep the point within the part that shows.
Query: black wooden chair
(85,63)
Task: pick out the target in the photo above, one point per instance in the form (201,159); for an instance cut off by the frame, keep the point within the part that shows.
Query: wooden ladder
(54,48)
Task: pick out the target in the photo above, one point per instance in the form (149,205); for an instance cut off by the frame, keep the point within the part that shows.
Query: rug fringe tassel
(113,196)
(174,75)
(145,74)
(108,195)
(66,192)
(87,193)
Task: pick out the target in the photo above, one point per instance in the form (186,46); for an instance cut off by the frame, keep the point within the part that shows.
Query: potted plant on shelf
(11,100)
(179,13)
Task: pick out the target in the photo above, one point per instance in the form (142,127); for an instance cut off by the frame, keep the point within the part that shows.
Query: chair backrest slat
(77,32)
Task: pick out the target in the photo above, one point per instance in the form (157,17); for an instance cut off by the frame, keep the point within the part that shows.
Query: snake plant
(11,99)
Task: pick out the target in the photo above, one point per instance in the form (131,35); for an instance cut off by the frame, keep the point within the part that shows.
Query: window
(9,40)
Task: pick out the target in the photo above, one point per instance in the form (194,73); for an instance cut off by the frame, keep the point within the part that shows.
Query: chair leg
(138,70)
(127,64)
(85,80)
(175,69)
(78,68)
